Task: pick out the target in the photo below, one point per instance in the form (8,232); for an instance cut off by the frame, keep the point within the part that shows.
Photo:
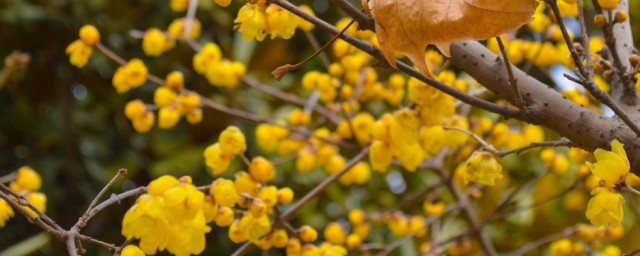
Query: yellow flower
(38,200)
(135,109)
(269,136)
(217,160)
(208,56)
(302,23)
(306,161)
(380,156)
(131,250)
(433,208)
(307,234)
(164,97)
(562,247)
(187,102)
(280,22)
(158,186)
(194,116)
(334,233)
(179,5)
(245,184)
(153,42)
(610,250)
(176,28)
(362,124)
(611,166)
(79,53)
(261,169)
(130,76)
(608,5)
(6,212)
(145,123)
(89,35)
(253,22)
(285,195)
(482,167)
(605,208)
(279,238)
(225,73)
(168,117)
(298,117)
(224,192)
(171,218)
(26,179)
(232,141)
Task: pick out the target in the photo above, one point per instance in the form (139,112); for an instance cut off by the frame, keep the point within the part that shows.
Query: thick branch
(546,106)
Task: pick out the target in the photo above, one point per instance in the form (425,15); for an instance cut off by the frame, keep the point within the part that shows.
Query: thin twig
(314,43)
(82,221)
(512,80)
(631,253)
(7,178)
(629,190)
(544,240)
(279,72)
(559,143)
(255,84)
(108,246)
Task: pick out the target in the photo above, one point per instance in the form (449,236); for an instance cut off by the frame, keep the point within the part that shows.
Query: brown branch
(364,21)
(255,84)
(279,72)
(633,252)
(82,221)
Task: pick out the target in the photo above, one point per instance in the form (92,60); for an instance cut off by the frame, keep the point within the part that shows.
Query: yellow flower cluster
(402,225)
(27,183)
(174,102)
(557,163)
(170,216)
(260,19)
(218,71)
(140,115)
(405,136)
(80,51)
(218,156)
(588,238)
(250,192)
(501,135)
(132,75)
(612,168)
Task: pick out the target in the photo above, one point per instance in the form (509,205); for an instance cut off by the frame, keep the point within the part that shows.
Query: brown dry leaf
(408,26)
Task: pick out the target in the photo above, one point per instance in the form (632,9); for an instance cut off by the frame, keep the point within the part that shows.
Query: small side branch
(512,80)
